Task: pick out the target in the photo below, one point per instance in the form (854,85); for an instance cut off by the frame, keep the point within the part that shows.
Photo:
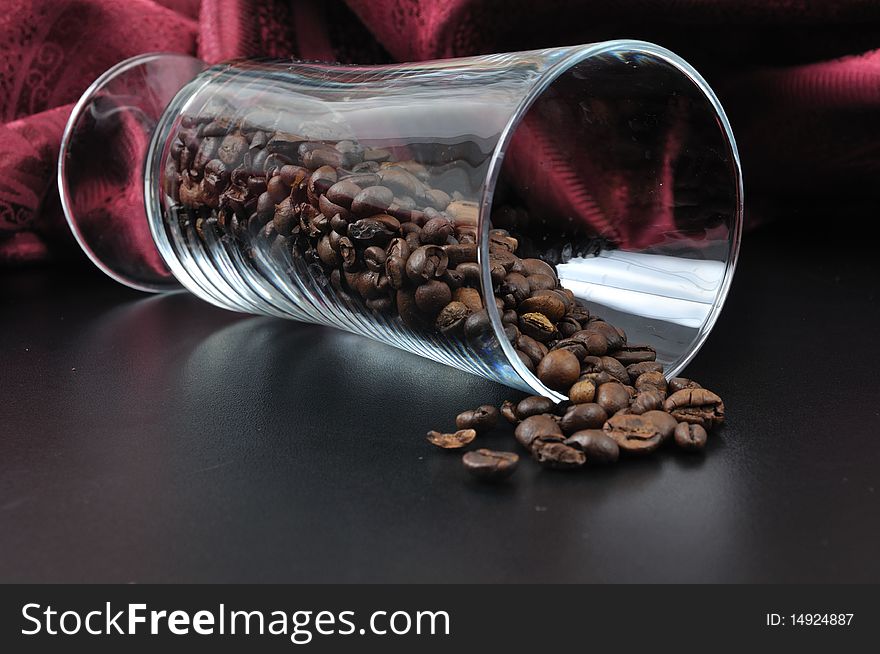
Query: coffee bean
(612,397)
(639,433)
(538,326)
(432,296)
(697,406)
(372,200)
(461,253)
(452,318)
(690,437)
(681,383)
(490,465)
(582,392)
(508,412)
(558,456)
(534,405)
(470,297)
(542,282)
(651,381)
(548,305)
(559,370)
(322,179)
(636,369)
(614,368)
(526,361)
(647,400)
(535,427)
(533,349)
(538,267)
(613,339)
(343,193)
(631,354)
(436,231)
(232,149)
(453,441)
(408,311)
(583,416)
(514,290)
(597,446)
(482,419)
(427,262)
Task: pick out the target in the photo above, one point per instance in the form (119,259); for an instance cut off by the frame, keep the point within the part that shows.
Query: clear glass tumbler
(450,208)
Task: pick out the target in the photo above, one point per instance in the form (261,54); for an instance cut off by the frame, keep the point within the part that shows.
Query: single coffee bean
(681,383)
(613,338)
(470,297)
(232,149)
(343,193)
(534,405)
(425,263)
(514,289)
(639,433)
(482,419)
(509,317)
(436,231)
(631,354)
(408,311)
(690,437)
(371,200)
(575,347)
(538,326)
(535,350)
(490,465)
(644,401)
(542,282)
(582,392)
(374,258)
(461,253)
(508,412)
(432,296)
(614,368)
(538,427)
(437,199)
(478,326)
(597,446)
(451,320)
(583,416)
(538,267)
(651,381)
(293,175)
(284,217)
(527,362)
(697,406)
(612,397)
(559,370)
(452,441)
(322,179)
(552,307)
(558,456)
(635,370)
(277,189)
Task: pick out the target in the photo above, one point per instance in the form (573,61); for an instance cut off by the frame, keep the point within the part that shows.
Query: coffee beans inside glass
(481,212)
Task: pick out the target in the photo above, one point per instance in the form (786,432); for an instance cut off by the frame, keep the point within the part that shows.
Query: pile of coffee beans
(605,415)
(375,226)
(370,227)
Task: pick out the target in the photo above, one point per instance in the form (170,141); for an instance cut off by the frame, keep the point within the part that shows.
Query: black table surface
(156,439)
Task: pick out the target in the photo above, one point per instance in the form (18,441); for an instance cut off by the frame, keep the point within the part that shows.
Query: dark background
(161,439)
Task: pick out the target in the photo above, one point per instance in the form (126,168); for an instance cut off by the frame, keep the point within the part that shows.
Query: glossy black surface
(161,439)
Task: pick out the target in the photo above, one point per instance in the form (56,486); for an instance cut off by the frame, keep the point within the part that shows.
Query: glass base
(100,166)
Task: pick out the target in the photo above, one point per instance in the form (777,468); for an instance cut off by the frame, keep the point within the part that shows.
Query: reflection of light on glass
(671,289)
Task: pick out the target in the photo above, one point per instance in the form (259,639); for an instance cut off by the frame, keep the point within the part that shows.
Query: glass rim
(578,55)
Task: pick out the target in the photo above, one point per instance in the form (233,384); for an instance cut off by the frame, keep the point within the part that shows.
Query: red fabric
(800,79)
